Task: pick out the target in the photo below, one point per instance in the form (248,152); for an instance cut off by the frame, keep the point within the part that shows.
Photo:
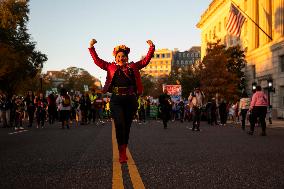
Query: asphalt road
(83,157)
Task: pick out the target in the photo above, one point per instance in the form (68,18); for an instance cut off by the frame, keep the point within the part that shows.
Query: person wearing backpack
(65,108)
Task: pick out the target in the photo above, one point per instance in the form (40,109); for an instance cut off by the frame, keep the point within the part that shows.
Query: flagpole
(252,20)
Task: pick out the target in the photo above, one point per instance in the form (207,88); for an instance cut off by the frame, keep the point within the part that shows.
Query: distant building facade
(160,64)
(186,58)
(265,57)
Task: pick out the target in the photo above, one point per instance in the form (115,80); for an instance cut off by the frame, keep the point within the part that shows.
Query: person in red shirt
(258,108)
(124,82)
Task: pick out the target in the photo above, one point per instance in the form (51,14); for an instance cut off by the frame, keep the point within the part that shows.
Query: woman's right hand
(92,42)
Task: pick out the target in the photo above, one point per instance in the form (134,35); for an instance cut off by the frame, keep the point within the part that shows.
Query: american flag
(235,22)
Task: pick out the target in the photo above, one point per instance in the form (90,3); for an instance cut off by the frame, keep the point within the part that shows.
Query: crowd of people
(82,109)
(78,109)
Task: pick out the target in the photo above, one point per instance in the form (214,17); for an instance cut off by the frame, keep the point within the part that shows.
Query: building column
(278,21)
(281,12)
(265,21)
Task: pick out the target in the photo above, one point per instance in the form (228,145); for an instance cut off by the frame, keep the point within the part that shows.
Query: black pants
(51,114)
(123,109)
(196,118)
(92,115)
(165,115)
(31,113)
(260,113)
(244,116)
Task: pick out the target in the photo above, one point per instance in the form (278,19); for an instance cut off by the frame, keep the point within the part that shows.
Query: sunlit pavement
(82,157)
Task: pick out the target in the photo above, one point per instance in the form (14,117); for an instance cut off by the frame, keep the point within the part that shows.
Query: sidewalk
(276,123)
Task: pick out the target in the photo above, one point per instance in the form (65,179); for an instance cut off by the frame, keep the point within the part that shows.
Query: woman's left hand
(150,42)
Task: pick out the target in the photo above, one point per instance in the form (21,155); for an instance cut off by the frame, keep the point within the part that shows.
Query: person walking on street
(165,107)
(243,108)
(65,109)
(258,108)
(223,112)
(30,106)
(124,82)
(196,99)
(51,108)
(41,106)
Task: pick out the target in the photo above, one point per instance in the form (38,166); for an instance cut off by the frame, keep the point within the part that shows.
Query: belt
(123,91)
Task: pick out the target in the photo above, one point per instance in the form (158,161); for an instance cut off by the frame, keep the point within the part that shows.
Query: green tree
(76,78)
(148,84)
(189,79)
(220,72)
(236,64)
(18,58)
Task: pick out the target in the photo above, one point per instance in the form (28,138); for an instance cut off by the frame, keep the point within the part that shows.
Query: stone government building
(165,61)
(265,57)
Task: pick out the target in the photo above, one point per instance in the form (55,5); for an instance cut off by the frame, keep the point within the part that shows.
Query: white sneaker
(21,128)
(16,128)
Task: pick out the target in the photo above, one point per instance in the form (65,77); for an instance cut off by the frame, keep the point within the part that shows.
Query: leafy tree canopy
(19,59)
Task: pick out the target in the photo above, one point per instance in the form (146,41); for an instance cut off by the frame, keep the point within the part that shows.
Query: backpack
(66,101)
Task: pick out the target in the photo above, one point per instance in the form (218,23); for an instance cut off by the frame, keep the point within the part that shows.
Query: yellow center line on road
(117,180)
(134,174)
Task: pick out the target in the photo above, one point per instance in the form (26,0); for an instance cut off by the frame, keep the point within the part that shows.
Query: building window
(177,62)
(157,56)
(168,55)
(282,63)
(163,55)
(192,55)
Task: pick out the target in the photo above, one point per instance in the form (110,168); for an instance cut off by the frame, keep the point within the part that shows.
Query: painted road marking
(19,131)
(134,174)
(117,180)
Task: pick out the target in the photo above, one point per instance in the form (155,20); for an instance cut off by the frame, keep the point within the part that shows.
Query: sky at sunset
(62,29)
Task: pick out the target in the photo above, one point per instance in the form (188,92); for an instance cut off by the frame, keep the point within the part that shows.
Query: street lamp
(253,86)
(270,89)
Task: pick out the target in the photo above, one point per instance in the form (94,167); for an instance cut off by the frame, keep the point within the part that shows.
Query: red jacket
(112,67)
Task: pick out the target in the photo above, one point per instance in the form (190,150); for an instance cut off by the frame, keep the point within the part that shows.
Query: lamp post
(253,86)
(270,89)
